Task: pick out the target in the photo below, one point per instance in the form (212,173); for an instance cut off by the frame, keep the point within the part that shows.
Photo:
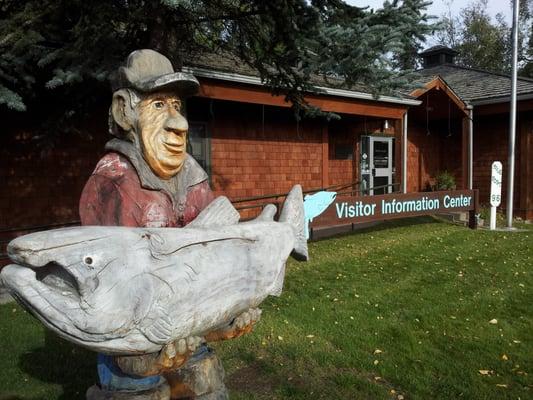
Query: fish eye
(88,260)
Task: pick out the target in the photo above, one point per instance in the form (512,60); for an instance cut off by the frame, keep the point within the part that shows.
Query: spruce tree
(67,49)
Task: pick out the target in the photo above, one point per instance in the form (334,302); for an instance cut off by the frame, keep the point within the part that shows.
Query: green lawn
(402,310)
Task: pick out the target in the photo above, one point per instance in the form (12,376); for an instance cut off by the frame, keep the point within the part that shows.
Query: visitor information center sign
(351,210)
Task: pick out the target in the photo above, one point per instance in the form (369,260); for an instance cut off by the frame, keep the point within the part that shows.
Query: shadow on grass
(260,379)
(61,363)
(376,227)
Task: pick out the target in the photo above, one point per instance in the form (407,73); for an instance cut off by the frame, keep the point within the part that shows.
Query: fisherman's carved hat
(148,71)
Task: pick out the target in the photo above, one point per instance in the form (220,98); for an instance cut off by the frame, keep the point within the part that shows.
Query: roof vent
(438,55)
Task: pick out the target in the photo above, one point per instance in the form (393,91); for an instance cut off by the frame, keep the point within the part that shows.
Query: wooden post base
(200,378)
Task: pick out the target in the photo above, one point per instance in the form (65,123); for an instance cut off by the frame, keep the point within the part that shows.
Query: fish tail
(293,213)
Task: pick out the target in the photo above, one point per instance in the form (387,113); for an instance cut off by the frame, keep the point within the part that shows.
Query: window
(343,152)
(199,146)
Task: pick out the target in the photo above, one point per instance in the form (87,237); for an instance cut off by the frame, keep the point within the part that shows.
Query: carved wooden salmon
(120,290)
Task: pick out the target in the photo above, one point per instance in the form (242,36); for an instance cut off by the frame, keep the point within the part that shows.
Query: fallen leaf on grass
(493,321)
(502,385)
(378,351)
(280,337)
(486,372)
(504,357)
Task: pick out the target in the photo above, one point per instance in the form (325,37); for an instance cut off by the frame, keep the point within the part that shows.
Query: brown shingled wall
(250,158)
(341,133)
(41,183)
(430,154)
(491,134)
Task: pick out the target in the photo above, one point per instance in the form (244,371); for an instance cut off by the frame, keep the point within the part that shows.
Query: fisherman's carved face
(163,132)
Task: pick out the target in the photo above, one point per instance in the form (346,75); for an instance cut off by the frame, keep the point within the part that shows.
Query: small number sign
(496,184)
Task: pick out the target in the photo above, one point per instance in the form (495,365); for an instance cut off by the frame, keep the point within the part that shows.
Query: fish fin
(268,213)
(277,287)
(157,326)
(219,212)
(293,214)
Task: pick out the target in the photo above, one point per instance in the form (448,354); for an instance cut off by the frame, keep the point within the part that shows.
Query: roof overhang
(254,80)
(501,99)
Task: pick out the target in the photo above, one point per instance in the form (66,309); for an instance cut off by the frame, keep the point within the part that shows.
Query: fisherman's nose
(176,123)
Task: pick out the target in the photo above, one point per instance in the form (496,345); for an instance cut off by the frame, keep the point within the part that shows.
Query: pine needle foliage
(69,48)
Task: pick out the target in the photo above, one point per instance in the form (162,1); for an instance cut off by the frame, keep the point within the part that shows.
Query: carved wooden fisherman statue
(147,179)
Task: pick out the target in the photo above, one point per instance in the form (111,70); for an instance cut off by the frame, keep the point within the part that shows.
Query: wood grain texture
(121,290)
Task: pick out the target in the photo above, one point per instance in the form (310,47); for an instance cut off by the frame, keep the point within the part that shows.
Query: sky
(440,7)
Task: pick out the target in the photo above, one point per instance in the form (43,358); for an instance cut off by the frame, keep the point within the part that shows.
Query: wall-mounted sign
(343,210)
(496,184)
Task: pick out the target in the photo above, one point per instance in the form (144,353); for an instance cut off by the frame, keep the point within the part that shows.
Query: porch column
(470,146)
(404,154)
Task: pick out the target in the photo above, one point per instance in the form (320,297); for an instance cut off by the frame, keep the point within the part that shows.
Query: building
(252,145)
(457,101)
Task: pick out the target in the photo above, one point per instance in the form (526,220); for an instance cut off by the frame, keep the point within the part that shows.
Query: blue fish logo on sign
(316,204)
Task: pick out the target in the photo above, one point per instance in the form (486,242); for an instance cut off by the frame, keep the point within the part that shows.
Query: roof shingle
(473,85)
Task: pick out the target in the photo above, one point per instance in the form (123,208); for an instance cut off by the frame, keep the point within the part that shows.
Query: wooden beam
(356,165)
(357,107)
(398,133)
(259,95)
(464,153)
(503,108)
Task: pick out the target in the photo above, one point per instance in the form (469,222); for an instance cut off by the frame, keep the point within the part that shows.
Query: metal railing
(276,198)
(6,235)
(340,189)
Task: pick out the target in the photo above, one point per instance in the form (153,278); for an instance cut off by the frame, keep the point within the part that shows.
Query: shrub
(445,181)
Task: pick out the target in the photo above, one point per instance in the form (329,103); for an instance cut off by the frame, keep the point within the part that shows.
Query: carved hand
(241,325)
(172,356)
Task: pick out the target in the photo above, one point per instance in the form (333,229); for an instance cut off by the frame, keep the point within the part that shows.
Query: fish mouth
(51,293)
(58,278)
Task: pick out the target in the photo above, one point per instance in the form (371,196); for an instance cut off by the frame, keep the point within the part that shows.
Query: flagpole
(512,120)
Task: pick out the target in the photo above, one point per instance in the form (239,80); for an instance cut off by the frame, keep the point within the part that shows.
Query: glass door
(376,164)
